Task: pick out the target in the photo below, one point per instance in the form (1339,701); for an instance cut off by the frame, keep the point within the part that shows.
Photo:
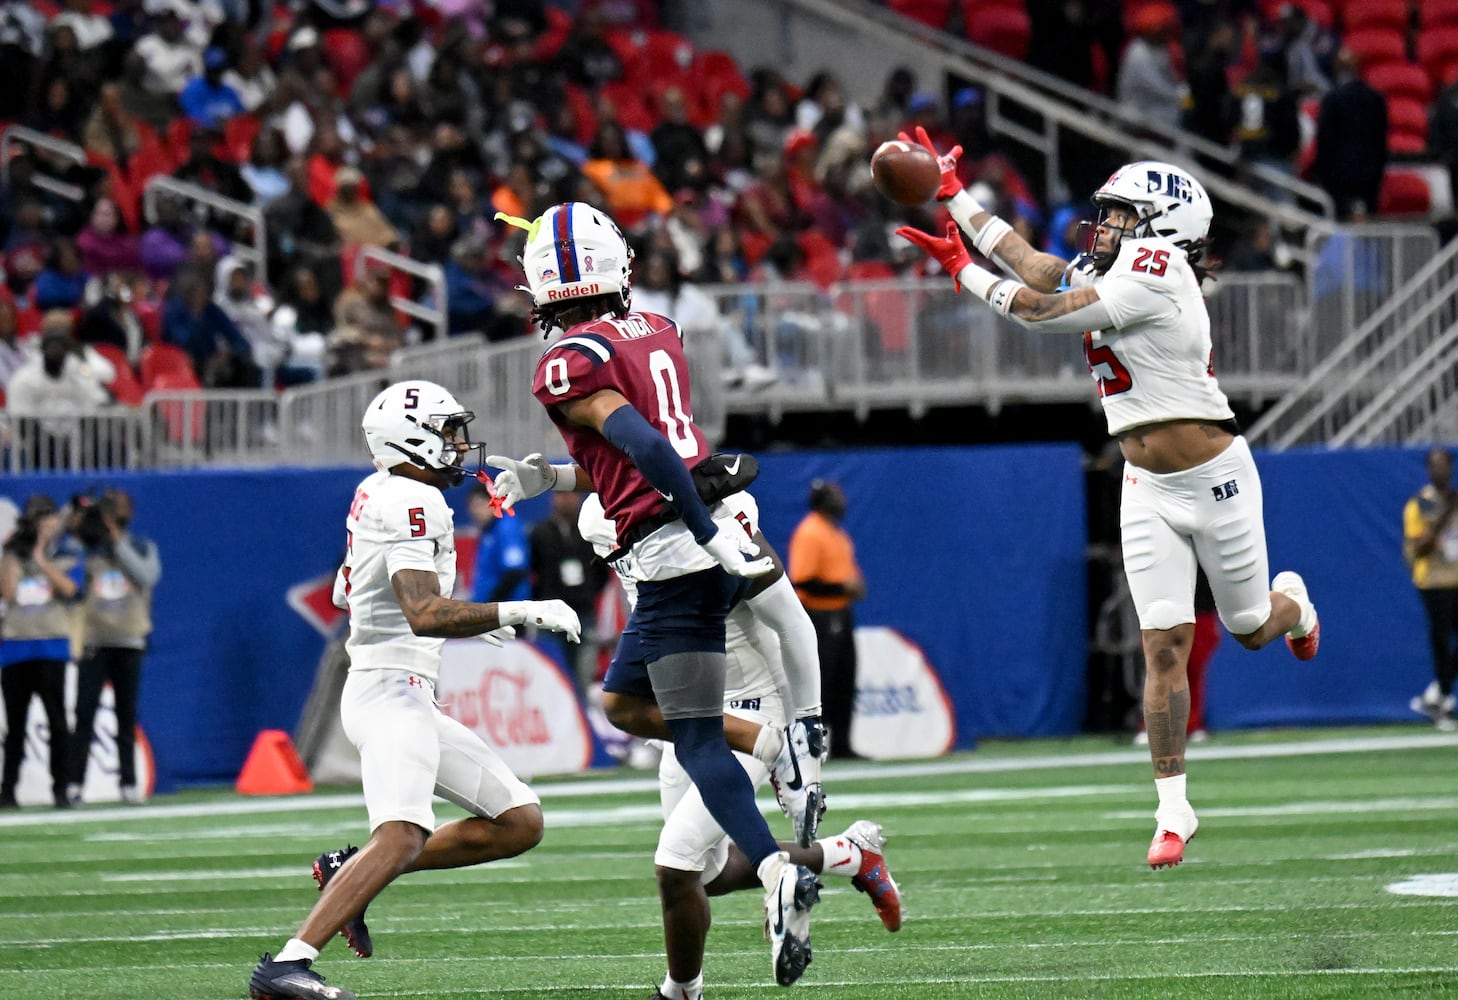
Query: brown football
(905,173)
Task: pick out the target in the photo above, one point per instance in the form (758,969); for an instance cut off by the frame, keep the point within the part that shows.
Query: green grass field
(1022,866)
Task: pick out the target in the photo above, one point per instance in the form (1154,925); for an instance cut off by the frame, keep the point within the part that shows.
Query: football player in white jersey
(695,858)
(398,573)
(1191,491)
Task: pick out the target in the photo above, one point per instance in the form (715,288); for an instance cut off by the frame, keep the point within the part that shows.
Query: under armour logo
(1225,491)
(1131,480)
(414,681)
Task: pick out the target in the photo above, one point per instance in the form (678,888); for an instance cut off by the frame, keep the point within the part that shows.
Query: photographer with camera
(38,587)
(121,570)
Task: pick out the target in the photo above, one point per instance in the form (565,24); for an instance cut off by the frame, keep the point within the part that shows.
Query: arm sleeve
(661,466)
(138,558)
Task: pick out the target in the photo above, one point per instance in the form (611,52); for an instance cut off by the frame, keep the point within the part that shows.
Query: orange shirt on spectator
(822,551)
(631,190)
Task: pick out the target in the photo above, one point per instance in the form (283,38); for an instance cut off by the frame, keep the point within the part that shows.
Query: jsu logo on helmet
(576,292)
(1172,184)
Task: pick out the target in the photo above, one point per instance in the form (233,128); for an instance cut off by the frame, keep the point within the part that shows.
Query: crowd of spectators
(408,124)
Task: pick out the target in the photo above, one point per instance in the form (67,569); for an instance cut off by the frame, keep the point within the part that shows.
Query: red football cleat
(1166,850)
(1304,648)
(874,878)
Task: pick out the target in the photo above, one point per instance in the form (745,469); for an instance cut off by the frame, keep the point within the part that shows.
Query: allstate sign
(901,710)
(518,701)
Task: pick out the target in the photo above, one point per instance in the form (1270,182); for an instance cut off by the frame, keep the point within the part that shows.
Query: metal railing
(1417,407)
(432,274)
(251,215)
(19,134)
(110,439)
(860,346)
(1371,320)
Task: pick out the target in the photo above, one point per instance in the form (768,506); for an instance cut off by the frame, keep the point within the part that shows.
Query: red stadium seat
(1437,14)
(932,13)
(1360,14)
(125,388)
(1404,193)
(1407,115)
(1436,49)
(1004,30)
(146,163)
(822,259)
(629,107)
(167,361)
(664,56)
(1376,45)
(1407,80)
(1406,143)
(238,135)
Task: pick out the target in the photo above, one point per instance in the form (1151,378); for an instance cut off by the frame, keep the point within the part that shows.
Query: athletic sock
(1171,790)
(296,950)
(768,746)
(842,856)
(768,870)
(672,989)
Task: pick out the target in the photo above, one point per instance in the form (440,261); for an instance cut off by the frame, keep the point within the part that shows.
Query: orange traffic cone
(273,767)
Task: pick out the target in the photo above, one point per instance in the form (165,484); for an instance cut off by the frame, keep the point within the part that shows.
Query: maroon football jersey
(641,357)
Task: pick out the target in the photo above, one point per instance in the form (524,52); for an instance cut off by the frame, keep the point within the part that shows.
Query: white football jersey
(754,669)
(1155,364)
(394,523)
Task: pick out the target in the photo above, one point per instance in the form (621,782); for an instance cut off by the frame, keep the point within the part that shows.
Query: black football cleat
(291,981)
(354,931)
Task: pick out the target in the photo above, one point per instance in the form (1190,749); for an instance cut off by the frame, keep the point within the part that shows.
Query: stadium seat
(1437,14)
(932,13)
(1406,143)
(146,163)
(559,29)
(238,135)
(1437,49)
(1004,30)
(1404,193)
(665,56)
(629,107)
(1377,45)
(822,259)
(348,55)
(1360,14)
(125,388)
(1406,80)
(1407,115)
(167,361)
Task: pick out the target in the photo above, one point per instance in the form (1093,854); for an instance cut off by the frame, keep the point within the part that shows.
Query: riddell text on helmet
(574,293)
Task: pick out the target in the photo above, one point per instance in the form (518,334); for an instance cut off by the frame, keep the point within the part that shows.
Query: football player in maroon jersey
(616,385)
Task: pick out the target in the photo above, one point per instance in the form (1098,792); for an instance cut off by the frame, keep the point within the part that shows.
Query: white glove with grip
(497,634)
(555,616)
(524,479)
(730,547)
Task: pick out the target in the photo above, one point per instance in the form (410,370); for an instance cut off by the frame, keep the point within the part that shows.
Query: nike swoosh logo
(796,783)
(733,467)
(779,917)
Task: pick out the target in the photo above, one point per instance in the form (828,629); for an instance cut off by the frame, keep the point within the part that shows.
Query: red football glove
(949,252)
(946,163)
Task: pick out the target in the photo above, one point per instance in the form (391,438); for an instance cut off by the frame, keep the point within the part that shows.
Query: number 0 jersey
(640,356)
(1156,364)
(394,523)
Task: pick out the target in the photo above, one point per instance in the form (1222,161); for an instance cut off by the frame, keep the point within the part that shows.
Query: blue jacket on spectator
(199,334)
(209,104)
(54,290)
(502,555)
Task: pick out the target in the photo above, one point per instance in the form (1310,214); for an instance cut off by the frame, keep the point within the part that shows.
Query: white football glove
(555,616)
(730,547)
(497,634)
(524,479)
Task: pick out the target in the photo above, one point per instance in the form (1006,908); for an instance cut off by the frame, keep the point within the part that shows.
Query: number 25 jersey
(1155,364)
(640,356)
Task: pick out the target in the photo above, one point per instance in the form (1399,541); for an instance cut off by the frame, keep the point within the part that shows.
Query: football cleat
(874,878)
(1289,583)
(795,779)
(1166,850)
(354,931)
(787,921)
(291,981)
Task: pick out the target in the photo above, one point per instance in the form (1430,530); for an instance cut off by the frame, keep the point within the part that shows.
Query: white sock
(779,607)
(675,990)
(1171,790)
(768,746)
(295,950)
(842,857)
(769,869)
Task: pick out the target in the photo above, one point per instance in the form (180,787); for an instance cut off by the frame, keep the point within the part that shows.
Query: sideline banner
(902,711)
(103,775)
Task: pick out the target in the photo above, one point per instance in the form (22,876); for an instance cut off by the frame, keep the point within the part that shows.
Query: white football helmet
(1168,200)
(574,251)
(421,423)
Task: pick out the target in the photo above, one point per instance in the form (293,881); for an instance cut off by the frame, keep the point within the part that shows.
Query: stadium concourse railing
(431,308)
(16,136)
(204,202)
(1383,306)
(894,344)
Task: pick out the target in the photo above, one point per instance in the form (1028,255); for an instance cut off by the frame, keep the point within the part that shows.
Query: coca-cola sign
(517,700)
